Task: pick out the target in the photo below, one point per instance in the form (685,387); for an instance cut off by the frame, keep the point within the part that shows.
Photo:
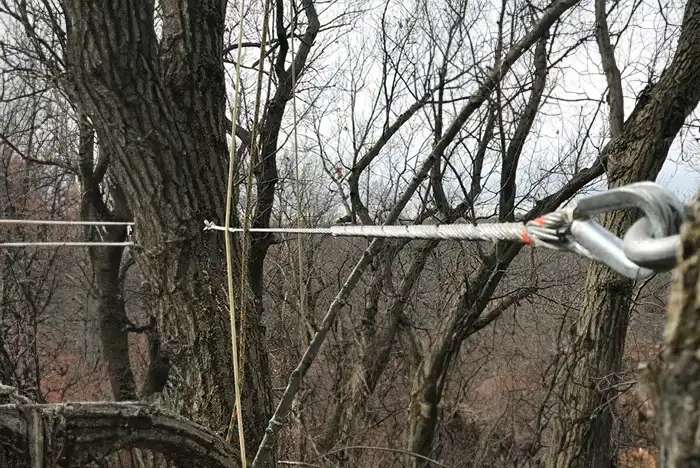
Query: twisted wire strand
(552,231)
(66,244)
(65,222)
(549,231)
(514,232)
(546,231)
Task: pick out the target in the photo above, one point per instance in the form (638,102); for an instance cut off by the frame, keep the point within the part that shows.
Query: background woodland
(467,354)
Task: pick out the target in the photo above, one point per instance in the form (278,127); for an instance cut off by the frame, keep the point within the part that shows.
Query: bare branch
(494,313)
(242,133)
(90,431)
(265,450)
(612,73)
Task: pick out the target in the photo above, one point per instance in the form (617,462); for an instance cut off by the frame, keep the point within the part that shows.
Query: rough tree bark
(612,73)
(157,107)
(675,379)
(80,434)
(581,436)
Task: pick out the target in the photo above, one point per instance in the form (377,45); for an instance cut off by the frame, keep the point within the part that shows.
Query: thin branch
(241,132)
(45,162)
(549,17)
(493,314)
(612,73)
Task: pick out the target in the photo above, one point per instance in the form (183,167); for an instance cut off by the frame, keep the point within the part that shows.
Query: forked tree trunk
(587,382)
(106,264)
(111,314)
(158,109)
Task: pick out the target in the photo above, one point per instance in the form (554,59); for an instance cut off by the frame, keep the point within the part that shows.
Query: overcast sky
(576,89)
(578,77)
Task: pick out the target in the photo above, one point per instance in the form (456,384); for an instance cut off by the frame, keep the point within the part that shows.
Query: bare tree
(438,120)
(589,377)
(465,315)
(170,197)
(43,321)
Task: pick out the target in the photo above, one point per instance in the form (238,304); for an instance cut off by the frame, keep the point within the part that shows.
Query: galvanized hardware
(651,243)
(664,210)
(643,248)
(606,248)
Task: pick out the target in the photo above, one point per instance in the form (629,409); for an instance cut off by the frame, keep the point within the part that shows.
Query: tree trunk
(111,312)
(106,264)
(81,434)
(158,109)
(587,383)
(431,375)
(675,379)
(361,382)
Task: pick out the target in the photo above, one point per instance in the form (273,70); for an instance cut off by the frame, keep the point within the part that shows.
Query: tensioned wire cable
(66,222)
(52,222)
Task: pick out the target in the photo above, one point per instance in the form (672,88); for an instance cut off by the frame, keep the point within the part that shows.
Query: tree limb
(549,17)
(674,381)
(76,433)
(612,73)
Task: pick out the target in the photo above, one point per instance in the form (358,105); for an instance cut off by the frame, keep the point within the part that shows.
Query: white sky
(578,77)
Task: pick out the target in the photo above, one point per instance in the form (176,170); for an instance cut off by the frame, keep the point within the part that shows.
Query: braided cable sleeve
(548,231)
(484,232)
(553,231)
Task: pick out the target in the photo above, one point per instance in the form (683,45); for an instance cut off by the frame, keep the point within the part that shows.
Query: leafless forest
(369,352)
